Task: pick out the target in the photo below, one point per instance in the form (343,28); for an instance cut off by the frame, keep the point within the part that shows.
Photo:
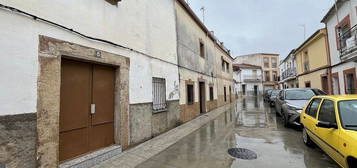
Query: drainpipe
(329,69)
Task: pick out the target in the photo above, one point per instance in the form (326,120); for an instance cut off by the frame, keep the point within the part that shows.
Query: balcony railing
(252,78)
(348,42)
(290,72)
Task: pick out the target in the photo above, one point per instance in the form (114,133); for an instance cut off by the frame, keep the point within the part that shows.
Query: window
(343,32)
(190,96)
(227,66)
(348,113)
(267,76)
(202,49)
(306,61)
(158,94)
(225,94)
(327,112)
(266,62)
(350,81)
(211,96)
(275,76)
(274,62)
(308,84)
(311,110)
(223,65)
(255,74)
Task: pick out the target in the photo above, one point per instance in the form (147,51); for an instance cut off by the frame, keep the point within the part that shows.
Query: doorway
(243,89)
(86,108)
(255,90)
(202,96)
(324,84)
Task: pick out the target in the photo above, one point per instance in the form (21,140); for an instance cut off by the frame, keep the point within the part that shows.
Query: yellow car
(331,123)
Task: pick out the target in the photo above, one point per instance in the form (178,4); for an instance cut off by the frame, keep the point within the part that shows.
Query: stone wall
(144,124)
(189,111)
(18,140)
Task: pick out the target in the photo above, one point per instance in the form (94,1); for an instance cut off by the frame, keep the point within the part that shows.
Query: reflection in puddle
(250,124)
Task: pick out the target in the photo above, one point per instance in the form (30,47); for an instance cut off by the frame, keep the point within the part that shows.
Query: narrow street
(251,124)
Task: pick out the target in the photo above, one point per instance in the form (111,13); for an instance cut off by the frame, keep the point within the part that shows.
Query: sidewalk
(139,154)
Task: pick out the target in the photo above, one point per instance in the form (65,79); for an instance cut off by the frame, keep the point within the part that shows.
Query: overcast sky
(269,26)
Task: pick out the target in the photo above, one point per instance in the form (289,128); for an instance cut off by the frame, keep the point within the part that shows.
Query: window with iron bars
(159,94)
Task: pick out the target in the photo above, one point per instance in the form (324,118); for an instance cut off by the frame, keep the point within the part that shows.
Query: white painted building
(288,72)
(138,38)
(342,37)
(248,79)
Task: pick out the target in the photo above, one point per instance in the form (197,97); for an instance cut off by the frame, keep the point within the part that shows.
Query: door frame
(350,71)
(202,106)
(51,51)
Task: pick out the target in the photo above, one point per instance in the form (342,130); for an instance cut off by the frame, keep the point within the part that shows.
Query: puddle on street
(252,125)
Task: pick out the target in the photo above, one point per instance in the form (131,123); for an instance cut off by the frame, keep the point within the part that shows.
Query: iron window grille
(159,94)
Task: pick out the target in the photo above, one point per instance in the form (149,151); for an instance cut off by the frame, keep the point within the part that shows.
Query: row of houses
(102,76)
(255,73)
(327,59)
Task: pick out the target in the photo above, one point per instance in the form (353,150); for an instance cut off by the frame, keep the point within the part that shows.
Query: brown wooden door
(324,83)
(83,84)
(202,92)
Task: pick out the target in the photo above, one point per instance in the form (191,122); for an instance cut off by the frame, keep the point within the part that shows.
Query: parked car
(272,97)
(290,102)
(331,123)
(266,94)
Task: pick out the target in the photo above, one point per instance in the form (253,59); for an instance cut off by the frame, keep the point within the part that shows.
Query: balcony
(348,44)
(290,72)
(252,78)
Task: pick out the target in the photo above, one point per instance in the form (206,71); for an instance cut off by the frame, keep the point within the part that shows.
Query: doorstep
(143,152)
(93,158)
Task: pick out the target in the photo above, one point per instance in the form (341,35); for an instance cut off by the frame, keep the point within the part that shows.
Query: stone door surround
(51,51)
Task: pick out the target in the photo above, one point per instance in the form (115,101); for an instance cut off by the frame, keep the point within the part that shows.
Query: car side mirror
(323,124)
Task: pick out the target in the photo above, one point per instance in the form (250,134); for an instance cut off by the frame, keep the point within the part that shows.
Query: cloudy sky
(270,26)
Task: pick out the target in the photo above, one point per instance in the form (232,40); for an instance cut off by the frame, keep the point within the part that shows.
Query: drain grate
(242,153)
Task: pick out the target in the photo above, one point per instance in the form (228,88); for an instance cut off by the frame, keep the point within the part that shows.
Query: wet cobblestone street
(252,125)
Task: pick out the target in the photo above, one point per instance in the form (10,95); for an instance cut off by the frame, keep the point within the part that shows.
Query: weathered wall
(18,140)
(314,78)
(145,124)
(115,23)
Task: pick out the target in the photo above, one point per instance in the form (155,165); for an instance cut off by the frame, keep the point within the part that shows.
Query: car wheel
(306,138)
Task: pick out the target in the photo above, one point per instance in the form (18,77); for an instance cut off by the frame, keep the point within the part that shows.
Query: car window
(319,92)
(274,93)
(299,94)
(327,112)
(348,113)
(311,110)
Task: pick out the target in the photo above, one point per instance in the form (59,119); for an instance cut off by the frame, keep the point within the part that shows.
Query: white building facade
(42,51)
(248,80)
(288,72)
(341,23)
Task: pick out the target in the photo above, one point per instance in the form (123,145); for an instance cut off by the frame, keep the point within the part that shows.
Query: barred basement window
(190,98)
(159,94)
(211,93)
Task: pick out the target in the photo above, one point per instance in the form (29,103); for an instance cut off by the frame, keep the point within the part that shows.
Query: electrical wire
(93,38)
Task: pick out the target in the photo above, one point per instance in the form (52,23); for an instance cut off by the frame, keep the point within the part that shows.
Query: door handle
(304,117)
(92,108)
